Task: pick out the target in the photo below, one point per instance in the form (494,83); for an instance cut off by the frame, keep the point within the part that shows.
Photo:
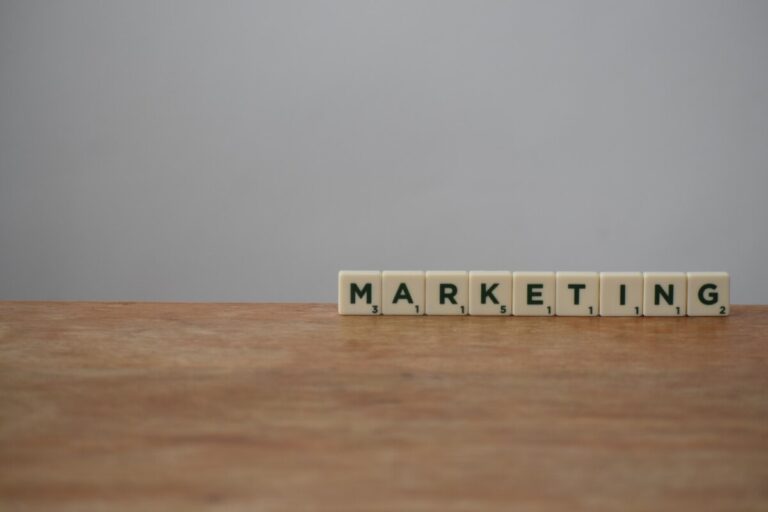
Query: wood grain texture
(291,407)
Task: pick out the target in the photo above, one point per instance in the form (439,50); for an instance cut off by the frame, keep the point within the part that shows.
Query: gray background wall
(242,151)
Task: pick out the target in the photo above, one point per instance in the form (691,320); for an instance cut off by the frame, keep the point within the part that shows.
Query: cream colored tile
(577,293)
(360,292)
(447,292)
(490,293)
(664,293)
(533,293)
(621,293)
(709,294)
(402,292)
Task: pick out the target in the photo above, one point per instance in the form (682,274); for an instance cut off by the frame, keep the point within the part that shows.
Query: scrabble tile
(577,293)
(447,292)
(360,292)
(533,293)
(490,293)
(664,293)
(709,294)
(621,293)
(402,292)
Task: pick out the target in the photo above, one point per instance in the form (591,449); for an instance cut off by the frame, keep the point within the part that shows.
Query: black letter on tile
(488,293)
(576,289)
(668,295)
(402,293)
(356,291)
(712,298)
(445,294)
(534,294)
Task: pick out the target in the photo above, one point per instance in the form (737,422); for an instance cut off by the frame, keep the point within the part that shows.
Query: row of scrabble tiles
(503,293)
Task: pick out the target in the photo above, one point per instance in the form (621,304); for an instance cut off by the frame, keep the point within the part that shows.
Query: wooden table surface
(135,406)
